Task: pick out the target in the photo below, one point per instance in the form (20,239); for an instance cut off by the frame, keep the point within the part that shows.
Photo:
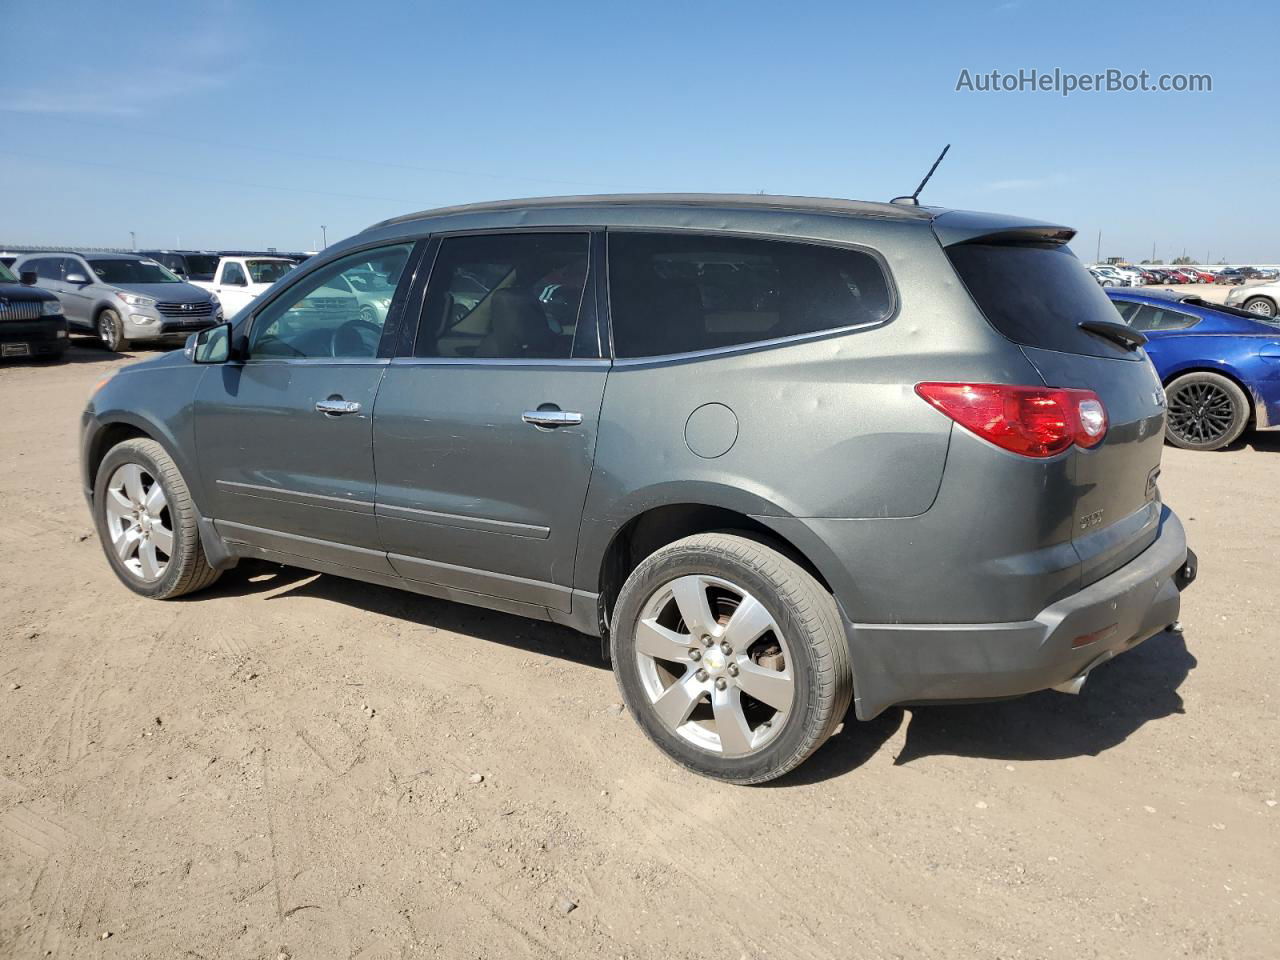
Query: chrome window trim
(328,361)
(575,362)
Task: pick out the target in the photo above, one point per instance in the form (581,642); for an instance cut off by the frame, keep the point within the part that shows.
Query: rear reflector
(1087,638)
(1031,421)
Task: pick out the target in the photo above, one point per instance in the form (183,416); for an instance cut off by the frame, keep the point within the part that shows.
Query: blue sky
(231,124)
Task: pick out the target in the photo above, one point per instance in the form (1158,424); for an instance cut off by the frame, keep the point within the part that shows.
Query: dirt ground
(290,765)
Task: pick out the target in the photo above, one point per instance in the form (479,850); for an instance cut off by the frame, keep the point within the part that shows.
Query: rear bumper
(913,663)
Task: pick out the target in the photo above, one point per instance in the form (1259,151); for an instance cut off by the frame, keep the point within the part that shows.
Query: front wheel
(1206,411)
(1261,306)
(111,331)
(147,522)
(731,657)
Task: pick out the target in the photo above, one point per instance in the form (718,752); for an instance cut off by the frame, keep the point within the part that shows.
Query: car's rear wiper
(1119,333)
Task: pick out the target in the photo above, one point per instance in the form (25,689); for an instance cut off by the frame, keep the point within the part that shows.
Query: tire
(1262,306)
(110,331)
(1206,411)
(714,724)
(174,564)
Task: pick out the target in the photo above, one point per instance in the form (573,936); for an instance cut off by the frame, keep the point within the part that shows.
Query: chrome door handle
(551,418)
(336,408)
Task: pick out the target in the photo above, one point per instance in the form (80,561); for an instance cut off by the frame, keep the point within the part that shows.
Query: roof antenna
(911,201)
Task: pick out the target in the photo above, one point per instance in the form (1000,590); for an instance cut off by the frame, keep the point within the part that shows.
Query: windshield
(200,267)
(131,271)
(268,271)
(6,275)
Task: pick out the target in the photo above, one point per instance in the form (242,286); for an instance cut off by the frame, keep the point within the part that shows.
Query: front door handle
(336,408)
(551,418)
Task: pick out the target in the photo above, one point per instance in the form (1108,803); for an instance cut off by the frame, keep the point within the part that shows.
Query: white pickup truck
(239,280)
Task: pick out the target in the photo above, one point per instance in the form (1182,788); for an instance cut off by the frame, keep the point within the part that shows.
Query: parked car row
(160,296)
(1111,275)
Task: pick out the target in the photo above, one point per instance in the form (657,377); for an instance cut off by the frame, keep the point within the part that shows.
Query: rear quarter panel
(823,428)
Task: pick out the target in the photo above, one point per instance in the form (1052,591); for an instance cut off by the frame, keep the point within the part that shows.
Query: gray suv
(122,297)
(783,455)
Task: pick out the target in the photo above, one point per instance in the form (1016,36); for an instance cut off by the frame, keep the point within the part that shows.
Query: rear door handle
(336,408)
(551,418)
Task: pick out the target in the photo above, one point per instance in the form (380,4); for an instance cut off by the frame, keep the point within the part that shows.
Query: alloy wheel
(1261,307)
(714,665)
(107,329)
(139,522)
(1200,413)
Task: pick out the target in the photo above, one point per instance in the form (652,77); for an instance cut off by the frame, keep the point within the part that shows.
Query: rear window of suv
(680,293)
(1036,294)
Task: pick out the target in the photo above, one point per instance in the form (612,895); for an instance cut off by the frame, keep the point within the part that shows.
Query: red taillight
(1031,421)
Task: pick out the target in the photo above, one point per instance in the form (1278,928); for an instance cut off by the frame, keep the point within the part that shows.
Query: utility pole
(324,236)
(1153,251)
(1097,257)
(133,240)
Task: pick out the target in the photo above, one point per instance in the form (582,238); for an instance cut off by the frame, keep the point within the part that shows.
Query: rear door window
(1037,294)
(679,293)
(505,297)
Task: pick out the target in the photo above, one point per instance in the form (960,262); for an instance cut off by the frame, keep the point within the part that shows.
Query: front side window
(324,317)
(679,293)
(504,296)
(233,274)
(125,271)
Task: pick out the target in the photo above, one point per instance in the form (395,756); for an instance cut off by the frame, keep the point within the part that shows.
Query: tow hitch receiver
(1186,574)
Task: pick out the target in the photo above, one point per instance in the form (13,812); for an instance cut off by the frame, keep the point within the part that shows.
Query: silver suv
(781,454)
(122,297)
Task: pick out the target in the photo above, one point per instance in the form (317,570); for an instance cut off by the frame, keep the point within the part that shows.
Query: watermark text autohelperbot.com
(1065,83)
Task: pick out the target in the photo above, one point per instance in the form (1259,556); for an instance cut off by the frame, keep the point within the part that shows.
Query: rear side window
(1126,309)
(1161,318)
(1037,294)
(504,297)
(678,293)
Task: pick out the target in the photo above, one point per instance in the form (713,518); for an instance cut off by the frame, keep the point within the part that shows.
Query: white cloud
(160,62)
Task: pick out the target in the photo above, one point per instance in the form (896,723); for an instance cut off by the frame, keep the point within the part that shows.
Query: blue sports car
(1220,365)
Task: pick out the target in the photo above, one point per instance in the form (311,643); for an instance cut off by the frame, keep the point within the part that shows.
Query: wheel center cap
(714,660)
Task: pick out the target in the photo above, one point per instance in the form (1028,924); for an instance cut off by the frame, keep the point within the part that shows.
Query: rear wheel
(111,331)
(1262,306)
(1206,411)
(731,657)
(147,522)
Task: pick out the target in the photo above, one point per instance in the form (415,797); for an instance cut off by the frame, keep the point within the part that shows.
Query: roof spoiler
(963,226)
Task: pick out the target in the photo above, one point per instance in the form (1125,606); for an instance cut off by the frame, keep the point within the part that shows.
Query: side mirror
(210,345)
(28,278)
(77,278)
